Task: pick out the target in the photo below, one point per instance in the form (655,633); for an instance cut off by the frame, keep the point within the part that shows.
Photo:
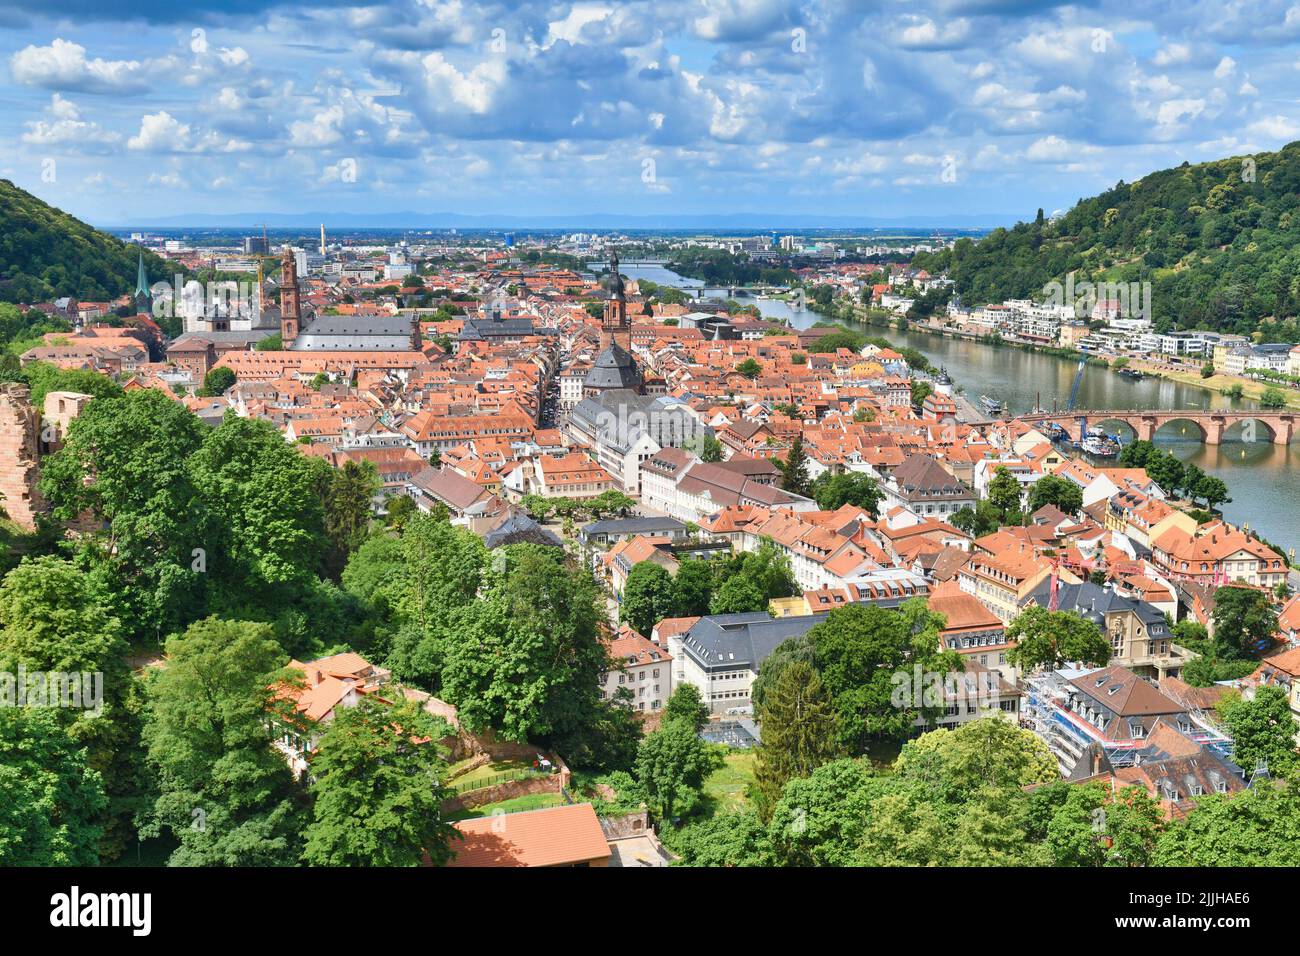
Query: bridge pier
(1282,431)
(1214,429)
(1145,428)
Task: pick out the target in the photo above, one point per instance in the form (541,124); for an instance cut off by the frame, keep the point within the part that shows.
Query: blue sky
(122,111)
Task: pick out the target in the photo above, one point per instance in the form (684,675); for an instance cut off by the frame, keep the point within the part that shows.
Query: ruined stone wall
(20,435)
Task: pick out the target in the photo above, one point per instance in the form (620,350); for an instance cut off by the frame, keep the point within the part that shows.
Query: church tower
(615,329)
(290,307)
(614,367)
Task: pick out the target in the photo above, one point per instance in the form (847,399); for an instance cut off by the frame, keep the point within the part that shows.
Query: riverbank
(1218,382)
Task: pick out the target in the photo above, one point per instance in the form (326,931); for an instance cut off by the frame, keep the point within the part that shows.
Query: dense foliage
(46,253)
(1215,240)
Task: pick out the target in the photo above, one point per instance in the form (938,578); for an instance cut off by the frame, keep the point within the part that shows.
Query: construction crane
(1074,395)
(1078,380)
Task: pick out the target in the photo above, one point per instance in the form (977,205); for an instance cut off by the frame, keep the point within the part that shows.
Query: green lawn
(533,801)
(727,786)
(487,774)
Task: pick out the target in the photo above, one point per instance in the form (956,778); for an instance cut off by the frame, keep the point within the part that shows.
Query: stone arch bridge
(1145,423)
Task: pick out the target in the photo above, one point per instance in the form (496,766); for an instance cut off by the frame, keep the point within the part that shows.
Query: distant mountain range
(578,221)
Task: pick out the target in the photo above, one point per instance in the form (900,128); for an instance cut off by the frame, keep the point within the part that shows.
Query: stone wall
(551,783)
(20,435)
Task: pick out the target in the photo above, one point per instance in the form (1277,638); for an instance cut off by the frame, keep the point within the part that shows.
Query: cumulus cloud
(736,100)
(163,133)
(63,66)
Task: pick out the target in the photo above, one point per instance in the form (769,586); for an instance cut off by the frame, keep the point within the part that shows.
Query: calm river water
(1264,479)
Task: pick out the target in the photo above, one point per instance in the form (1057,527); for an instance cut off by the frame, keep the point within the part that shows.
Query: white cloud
(63,66)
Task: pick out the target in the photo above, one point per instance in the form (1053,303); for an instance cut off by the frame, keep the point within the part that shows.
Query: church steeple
(142,297)
(614,367)
(615,329)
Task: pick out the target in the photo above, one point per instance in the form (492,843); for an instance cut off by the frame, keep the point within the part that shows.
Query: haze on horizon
(131,112)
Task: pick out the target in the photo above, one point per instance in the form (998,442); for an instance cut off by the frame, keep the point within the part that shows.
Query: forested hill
(45,253)
(1219,241)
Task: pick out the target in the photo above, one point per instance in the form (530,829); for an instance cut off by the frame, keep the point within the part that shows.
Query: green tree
(51,799)
(217,381)
(692,588)
(833,491)
(687,704)
(736,596)
(419,588)
(767,569)
(1166,471)
(125,462)
(794,469)
(1136,454)
(56,620)
(377,790)
(983,519)
(820,819)
(1004,493)
(1272,398)
(749,368)
(1259,826)
(525,659)
(1061,492)
(225,794)
(989,753)
(710,449)
(348,498)
(1244,622)
(1213,490)
(672,764)
(1092,828)
(1207,370)
(727,839)
(1048,639)
(800,733)
(858,650)
(1262,728)
(905,830)
(399,509)
(266,538)
(648,596)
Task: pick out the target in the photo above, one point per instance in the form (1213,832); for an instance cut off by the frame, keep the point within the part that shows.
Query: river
(1263,478)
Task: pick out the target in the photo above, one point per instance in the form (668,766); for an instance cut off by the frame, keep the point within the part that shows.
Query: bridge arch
(1182,429)
(1115,426)
(1249,430)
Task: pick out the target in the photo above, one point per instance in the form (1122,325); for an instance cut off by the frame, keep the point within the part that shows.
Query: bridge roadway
(1211,424)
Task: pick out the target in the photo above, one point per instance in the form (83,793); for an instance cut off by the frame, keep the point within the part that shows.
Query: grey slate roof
(355,333)
(731,641)
(639,525)
(1088,598)
(613,368)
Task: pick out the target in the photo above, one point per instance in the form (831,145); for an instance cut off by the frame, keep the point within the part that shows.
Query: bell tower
(290,307)
(615,329)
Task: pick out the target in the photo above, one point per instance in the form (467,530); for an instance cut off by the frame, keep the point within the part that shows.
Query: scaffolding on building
(1052,712)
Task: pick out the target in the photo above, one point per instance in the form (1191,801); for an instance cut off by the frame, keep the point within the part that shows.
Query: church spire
(142,296)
